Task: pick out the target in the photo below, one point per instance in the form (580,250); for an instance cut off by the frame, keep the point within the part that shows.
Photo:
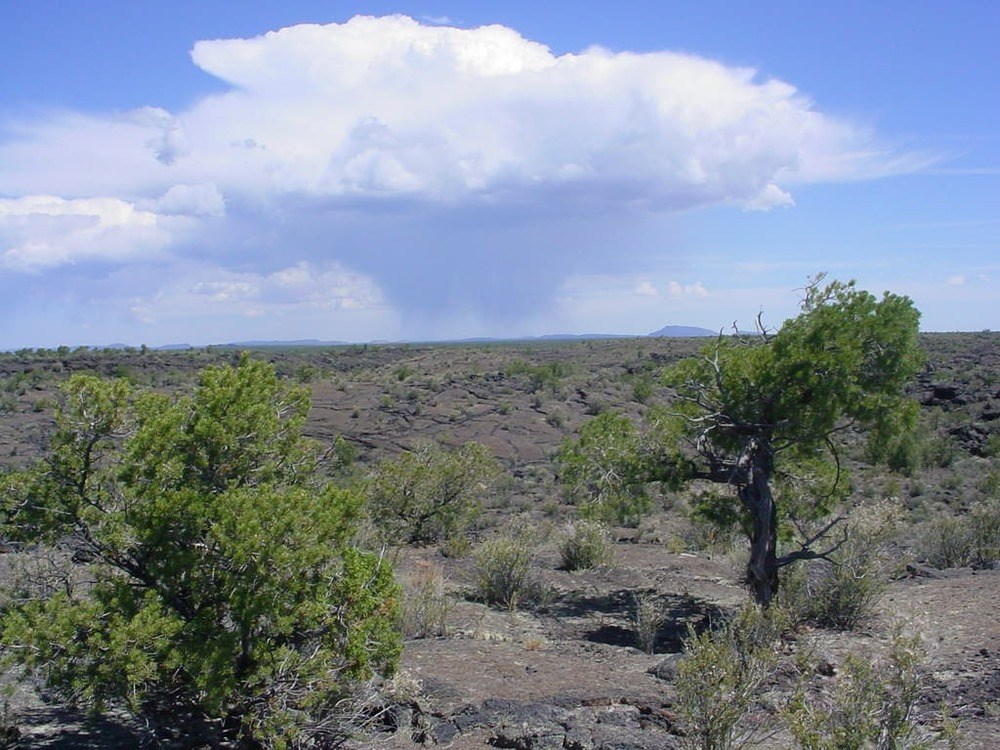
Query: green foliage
(766,410)
(992,449)
(539,376)
(305,374)
(505,569)
(642,388)
(430,494)
(989,485)
(762,416)
(716,518)
(226,587)
(844,591)
(969,540)
(873,706)
(585,544)
(721,679)
(342,455)
(402,372)
(608,468)
(847,356)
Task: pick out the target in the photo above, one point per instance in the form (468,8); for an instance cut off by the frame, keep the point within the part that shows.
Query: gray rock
(667,669)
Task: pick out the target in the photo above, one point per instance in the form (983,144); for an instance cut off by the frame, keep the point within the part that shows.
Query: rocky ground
(565,672)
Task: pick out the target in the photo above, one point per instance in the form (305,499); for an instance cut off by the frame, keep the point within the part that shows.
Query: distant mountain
(678,332)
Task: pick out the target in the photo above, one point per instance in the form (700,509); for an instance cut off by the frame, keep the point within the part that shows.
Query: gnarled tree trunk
(755,494)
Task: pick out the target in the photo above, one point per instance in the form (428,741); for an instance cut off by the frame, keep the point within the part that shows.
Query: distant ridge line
(665,332)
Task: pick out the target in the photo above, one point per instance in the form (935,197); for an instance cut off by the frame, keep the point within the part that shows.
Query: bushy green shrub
(585,544)
(606,471)
(430,494)
(721,680)
(873,705)
(226,593)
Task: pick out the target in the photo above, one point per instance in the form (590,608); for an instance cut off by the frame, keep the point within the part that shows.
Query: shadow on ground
(679,613)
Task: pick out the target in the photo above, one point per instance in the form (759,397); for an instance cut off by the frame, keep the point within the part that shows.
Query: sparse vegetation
(505,569)
(648,615)
(585,544)
(720,681)
(972,539)
(843,591)
(751,411)
(577,636)
(874,705)
(425,603)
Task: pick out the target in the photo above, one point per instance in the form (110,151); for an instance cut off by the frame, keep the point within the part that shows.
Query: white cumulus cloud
(677,290)
(42,231)
(646,289)
(458,170)
(388,107)
(191,200)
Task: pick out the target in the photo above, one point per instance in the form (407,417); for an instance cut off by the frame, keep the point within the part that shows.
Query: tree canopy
(430,494)
(755,409)
(224,589)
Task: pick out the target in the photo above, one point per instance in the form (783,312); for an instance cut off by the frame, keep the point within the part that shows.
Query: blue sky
(174,172)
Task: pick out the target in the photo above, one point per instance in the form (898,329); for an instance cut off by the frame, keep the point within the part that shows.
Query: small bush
(8,404)
(970,540)
(873,706)
(720,681)
(992,448)
(603,470)
(904,455)
(642,389)
(717,524)
(425,604)
(430,494)
(505,571)
(844,591)
(403,372)
(585,544)
(847,592)
(648,615)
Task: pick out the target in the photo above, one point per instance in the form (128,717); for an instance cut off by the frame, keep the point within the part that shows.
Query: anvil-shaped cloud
(454,169)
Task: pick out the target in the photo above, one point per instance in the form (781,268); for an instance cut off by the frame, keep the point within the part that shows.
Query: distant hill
(665,332)
(260,344)
(678,332)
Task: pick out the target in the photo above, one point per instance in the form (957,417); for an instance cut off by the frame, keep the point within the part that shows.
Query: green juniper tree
(430,494)
(761,415)
(225,591)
